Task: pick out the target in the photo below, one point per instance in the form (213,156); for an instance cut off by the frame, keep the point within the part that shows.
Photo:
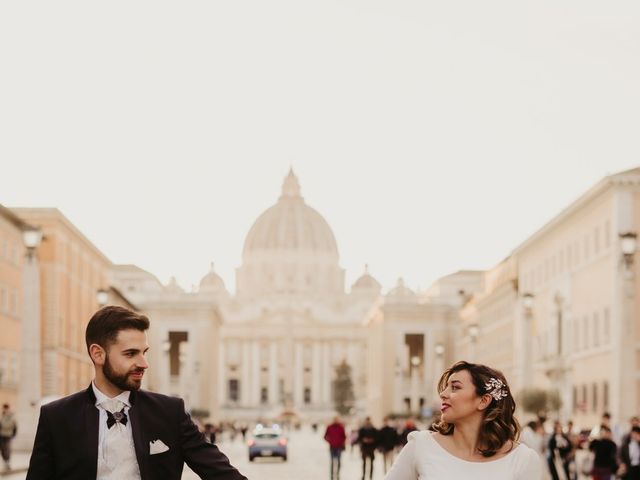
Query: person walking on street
(605,451)
(113,430)
(559,448)
(409,427)
(8,430)
(630,456)
(388,441)
(336,438)
(368,441)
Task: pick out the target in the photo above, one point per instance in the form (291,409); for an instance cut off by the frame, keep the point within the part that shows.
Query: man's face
(124,363)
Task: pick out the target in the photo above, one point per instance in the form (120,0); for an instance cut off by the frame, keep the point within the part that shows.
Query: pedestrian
(605,451)
(210,432)
(409,426)
(533,437)
(476,437)
(8,430)
(559,451)
(630,455)
(368,441)
(113,430)
(388,441)
(336,437)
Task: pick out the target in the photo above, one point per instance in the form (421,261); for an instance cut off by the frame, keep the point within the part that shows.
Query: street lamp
(625,343)
(628,245)
(473,330)
(30,365)
(528,300)
(415,363)
(102,297)
(439,350)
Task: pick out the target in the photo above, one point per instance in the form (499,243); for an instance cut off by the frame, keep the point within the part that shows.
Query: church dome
(212,282)
(401,293)
(290,225)
(366,282)
(290,249)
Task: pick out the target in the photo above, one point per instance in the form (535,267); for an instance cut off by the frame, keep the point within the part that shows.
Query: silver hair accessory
(496,389)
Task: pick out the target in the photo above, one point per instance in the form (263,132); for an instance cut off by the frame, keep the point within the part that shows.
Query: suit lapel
(92,417)
(138,436)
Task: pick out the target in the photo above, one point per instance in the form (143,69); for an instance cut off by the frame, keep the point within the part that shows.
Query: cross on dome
(291,186)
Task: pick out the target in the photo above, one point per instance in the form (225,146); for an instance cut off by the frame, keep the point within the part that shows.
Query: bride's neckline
(431,435)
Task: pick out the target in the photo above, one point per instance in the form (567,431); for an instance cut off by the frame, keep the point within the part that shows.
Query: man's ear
(97,354)
(485,401)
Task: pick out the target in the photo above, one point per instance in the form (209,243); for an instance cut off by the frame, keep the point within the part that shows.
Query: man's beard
(122,381)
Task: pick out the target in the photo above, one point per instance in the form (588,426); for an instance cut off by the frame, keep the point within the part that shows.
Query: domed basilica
(272,348)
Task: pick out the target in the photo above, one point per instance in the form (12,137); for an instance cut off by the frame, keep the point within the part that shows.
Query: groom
(115,431)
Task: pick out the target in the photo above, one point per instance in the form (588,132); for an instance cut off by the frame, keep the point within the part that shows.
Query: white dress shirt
(120,462)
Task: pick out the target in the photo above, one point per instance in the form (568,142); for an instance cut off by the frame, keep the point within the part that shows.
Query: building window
(607,234)
(585,400)
(234,390)
(585,340)
(605,327)
(307,395)
(595,397)
(576,335)
(264,395)
(596,240)
(574,398)
(596,329)
(605,396)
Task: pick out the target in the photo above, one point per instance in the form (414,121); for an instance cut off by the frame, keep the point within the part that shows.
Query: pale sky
(432,136)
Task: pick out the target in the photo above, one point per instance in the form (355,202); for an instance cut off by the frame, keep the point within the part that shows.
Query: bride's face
(459,399)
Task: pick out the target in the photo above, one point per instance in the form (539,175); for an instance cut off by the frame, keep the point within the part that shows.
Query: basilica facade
(272,347)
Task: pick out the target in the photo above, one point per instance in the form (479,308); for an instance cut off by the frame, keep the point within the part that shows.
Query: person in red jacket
(336,438)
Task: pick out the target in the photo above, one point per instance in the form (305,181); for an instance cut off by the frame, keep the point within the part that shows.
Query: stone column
(274,398)
(298,385)
(222,374)
(327,374)
(255,373)
(316,374)
(245,383)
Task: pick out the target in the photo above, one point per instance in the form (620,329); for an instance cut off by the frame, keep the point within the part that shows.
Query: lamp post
(627,334)
(30,362)
(102,297)
(439,367)
(415,364)
(527,338)
(473,332)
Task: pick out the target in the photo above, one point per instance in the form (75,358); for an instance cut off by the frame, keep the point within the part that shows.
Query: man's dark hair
(635,429)
(105,324)
(606,415)
(604,428)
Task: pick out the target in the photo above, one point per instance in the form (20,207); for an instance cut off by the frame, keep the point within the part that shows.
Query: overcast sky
(432,136)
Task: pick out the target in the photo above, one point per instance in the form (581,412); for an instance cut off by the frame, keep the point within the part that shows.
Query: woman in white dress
(476,437)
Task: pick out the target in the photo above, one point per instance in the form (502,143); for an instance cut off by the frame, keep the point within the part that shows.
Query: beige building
(411,341)
(560,313)
(564,315)
(72,270)
(12,253)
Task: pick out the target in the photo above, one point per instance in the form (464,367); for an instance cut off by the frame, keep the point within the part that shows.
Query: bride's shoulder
(421,435)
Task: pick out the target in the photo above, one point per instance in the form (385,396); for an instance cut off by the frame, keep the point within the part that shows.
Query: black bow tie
(119,417)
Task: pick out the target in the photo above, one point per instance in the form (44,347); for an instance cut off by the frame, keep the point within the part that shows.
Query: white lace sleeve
(404,467)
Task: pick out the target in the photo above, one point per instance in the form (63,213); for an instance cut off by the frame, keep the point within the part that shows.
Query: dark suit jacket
(66,443)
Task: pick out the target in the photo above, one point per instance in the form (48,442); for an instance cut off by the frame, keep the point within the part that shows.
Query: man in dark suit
(115,431)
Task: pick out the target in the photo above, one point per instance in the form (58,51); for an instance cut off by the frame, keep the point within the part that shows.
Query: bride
(476,436)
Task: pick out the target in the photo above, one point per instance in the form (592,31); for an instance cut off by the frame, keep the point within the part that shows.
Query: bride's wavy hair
(498,424)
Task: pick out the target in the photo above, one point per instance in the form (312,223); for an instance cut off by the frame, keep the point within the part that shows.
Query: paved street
(308,460)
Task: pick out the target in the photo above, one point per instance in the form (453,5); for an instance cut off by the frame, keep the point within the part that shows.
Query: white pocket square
(157,446)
